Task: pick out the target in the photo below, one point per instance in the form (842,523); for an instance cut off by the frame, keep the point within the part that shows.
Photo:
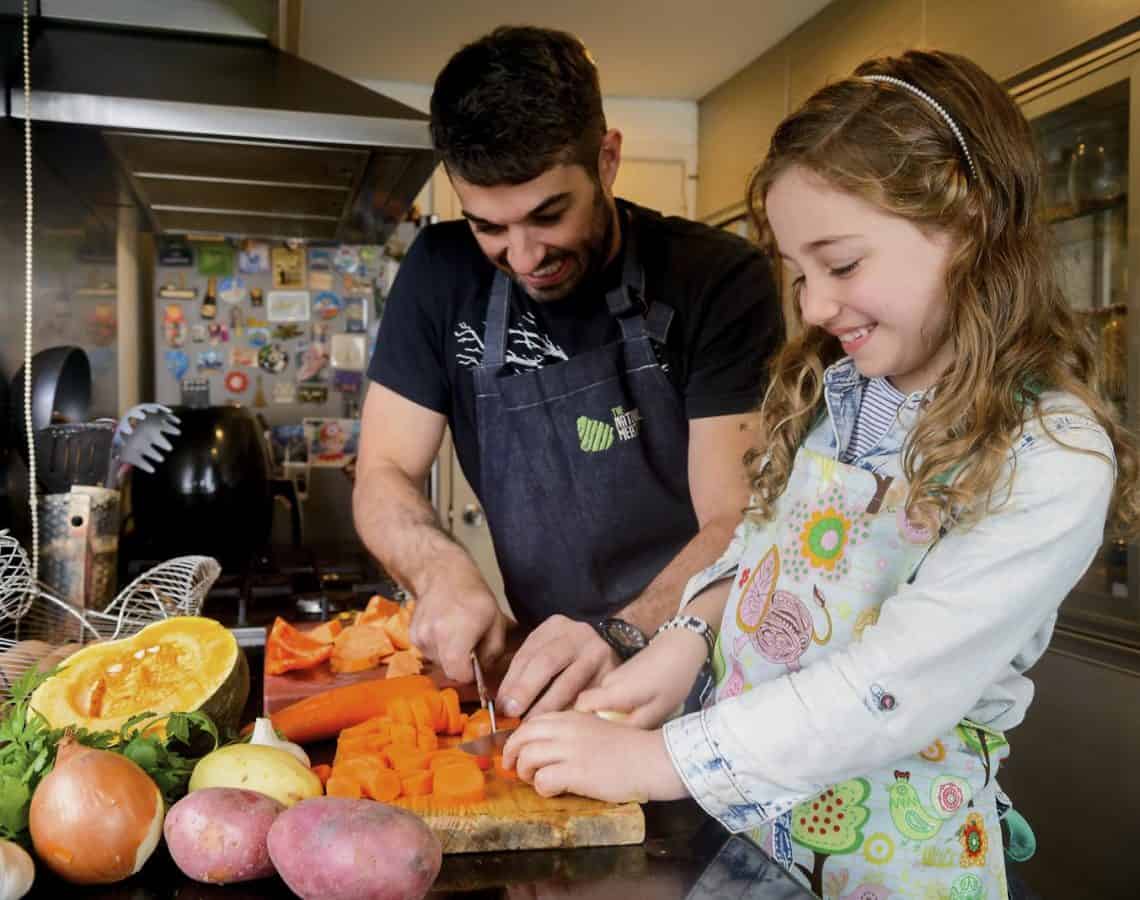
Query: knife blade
(486,702)
(487,744)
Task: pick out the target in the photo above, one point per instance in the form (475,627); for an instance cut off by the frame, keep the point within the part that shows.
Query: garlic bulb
(17,871)
(266,736)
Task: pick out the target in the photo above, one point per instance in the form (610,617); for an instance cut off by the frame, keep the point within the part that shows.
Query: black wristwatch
(625,637)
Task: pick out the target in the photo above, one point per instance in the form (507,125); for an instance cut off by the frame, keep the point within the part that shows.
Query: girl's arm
(949,646)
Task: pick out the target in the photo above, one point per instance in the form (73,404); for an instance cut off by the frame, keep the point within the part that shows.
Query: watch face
(623,634)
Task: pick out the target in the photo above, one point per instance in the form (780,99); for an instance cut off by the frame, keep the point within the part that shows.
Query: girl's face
(874,280)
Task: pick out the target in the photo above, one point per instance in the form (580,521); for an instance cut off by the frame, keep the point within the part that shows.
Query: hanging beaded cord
(918,92)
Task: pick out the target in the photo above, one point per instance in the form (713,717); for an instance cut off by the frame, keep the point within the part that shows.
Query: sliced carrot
(404,662)
(401,711)
(427,740)
(405,734)
(325,715)
(397,627)
(378,608)
(362,745)
(288,649)
(322,772)
(343,786)
(379,725)
(438,713)
(360,647)
(326,632)
(416,784)
(450,699)
(382,785)
(478,724)
(451,755)
(497,768)
(459,783)
(421,713)
(403,758)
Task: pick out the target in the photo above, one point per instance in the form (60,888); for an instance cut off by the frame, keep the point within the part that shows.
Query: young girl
(934,475)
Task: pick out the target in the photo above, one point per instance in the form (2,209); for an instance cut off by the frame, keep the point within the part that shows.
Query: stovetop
(298,584)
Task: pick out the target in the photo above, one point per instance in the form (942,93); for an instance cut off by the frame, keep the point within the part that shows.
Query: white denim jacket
(955,643)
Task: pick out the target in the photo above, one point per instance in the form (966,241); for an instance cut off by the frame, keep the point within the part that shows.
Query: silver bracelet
(691,623)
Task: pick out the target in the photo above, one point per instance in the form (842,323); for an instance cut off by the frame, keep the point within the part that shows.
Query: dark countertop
(686,856)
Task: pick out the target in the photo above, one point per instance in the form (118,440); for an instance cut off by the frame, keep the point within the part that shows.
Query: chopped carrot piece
(459,783)
(450,699)
(397,627)
(401,711)
(426,740)
(452,755)
(326,632)
(438,713)
(406,758)
(360,647)
(416,784)
(497,768)
(382,785)
(404,734)
(323,772)
(287,648)
(363,745)
(422,714)
(377,725)
(378,609)
(404,662)
(343,786)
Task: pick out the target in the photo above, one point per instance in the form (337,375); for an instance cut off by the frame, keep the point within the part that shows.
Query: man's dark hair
(515,103)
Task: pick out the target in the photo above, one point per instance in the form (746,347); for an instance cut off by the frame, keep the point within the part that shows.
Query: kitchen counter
(686,856)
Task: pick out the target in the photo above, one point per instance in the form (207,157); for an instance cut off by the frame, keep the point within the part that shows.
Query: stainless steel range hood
(232,136)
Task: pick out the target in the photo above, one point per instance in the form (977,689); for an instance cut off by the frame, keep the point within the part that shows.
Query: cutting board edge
(617,826)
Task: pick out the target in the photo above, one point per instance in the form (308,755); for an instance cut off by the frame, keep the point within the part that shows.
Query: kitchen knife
(488,744)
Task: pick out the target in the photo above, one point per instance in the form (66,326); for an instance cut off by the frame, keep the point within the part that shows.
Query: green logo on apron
(594,436)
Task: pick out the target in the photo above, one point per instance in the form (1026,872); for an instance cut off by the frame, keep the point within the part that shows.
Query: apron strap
(498,317)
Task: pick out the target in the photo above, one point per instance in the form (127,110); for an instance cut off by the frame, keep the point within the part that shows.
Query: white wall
(651,129)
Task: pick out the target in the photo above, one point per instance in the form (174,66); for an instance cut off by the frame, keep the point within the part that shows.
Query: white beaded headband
(906,85)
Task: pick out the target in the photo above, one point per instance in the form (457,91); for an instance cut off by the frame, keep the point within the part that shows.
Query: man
(596,364)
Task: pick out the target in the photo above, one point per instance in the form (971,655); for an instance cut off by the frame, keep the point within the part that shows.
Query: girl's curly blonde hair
(1012,330)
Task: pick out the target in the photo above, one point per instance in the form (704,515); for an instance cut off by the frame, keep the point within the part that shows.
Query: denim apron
(810,582)
(583,464)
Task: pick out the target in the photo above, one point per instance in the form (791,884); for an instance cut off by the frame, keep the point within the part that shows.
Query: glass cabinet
(1087,122)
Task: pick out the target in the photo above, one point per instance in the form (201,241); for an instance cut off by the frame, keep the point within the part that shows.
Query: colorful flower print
(974,841)
(818,537)
(949,794)
(879,849)
(935,753)
(786,628)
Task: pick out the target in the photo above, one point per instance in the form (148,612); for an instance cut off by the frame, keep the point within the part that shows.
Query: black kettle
(213,493)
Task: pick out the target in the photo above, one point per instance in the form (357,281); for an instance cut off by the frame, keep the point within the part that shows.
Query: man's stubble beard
(592,259)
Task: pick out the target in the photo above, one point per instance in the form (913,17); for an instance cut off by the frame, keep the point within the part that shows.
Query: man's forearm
(401,529)
(660,599)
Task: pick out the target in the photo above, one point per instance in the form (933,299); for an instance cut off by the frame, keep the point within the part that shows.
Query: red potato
(334,848)
(219,835)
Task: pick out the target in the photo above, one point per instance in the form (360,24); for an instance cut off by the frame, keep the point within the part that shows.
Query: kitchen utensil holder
(80,545)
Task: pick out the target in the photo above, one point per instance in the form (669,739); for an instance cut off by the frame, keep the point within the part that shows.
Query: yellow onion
(97,817)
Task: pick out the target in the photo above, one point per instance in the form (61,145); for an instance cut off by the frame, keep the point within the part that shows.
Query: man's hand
(453,617)
(562,657)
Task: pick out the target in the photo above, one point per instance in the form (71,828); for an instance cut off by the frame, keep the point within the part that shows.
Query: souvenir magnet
(273,358)
(253,258)
(243,357)
(288,306)
(209,360)
(370,260)
(177,290)
(232,290)
(347,382)
(311,361)
(217,333)
(174,326)
(175,252)
(312,393)
(287,331)
(237,321)
(349,352)
(236,382)
(355,315)
(256,297)
(258,337)
(198,334)
(327,305)
(284,392)
(334,441)
(288,267)
(177,364)
(215,259)
(321,281)
(346,259)
(259,395)
(320,259)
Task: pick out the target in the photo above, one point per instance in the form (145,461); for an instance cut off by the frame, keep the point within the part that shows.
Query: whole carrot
(325,715)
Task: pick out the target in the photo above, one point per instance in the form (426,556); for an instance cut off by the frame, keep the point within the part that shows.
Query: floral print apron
(809,582)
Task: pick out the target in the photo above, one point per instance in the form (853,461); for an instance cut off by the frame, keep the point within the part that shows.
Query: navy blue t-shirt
(726,325)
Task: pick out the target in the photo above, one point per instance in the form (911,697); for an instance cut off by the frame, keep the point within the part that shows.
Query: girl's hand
(582,754)
(652,685)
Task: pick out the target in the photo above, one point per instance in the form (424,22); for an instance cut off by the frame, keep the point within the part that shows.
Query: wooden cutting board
(514,817)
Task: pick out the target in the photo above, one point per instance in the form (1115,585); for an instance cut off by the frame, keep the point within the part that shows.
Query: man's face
(549,234)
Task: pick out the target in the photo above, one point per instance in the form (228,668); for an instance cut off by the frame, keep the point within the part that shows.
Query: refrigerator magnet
(259,395)
(321,281)
(174,326)
(371,257)
(258,337)
(177,364)
(256,297)
(287,331)
(347,382)
(273,358)
(288,267)
(327,305)
(232,290)
(217,333)
(347,259)
(312,393)
(209,361)
(215,259)
(243,357)
(198,334)
(312,359)
(175,252)
(253,257)
(321,259)
(288,306)
(236,382)
(349,352)
(355,315)
(284,392)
